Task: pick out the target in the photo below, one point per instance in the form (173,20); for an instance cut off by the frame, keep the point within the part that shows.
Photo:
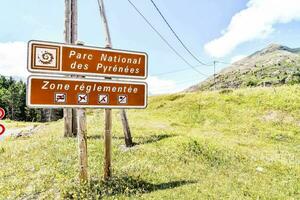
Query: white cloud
(161,86)
(254,22)
(13,56)
(237,58)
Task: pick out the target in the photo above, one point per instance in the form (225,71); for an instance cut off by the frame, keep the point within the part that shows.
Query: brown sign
(58,58)
(44,92)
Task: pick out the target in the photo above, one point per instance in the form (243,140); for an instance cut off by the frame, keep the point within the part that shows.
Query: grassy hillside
(242,144)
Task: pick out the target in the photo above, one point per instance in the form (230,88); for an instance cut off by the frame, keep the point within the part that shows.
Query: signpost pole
(70,122)
(82,140)
(82,145)
(125,124)
(107,144)
(75,120)
(108,113)
(73,40)
(67,33)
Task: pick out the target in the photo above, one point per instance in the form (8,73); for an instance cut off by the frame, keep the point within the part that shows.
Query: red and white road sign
(2,113)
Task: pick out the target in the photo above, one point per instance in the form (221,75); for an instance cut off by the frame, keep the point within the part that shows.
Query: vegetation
(270,75)
(233,144)
(13,101)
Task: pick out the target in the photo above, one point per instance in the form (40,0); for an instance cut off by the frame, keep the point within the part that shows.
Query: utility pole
(108,112)
(215,74)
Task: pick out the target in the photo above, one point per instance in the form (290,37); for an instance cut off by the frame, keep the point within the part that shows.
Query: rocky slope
(274,65)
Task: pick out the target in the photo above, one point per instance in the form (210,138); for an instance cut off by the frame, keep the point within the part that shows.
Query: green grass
(243,144)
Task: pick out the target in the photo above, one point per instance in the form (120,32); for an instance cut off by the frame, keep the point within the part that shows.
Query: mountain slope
(274,65)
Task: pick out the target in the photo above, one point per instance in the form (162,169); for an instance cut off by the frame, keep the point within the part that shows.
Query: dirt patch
(278,116)
(24,131)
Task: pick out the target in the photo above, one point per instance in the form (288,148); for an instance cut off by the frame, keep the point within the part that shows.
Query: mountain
(273,65)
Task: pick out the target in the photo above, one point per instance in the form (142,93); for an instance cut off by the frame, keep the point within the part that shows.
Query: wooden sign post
(70,35)
(108,118)
(107,112)
(82,145)
(74,92)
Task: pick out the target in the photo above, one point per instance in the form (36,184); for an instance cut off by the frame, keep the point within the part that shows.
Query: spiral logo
(46,57)
(2,127)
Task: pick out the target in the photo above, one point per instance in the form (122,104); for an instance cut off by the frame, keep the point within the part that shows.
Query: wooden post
(50,115)
(68,122)
(74,34)
(126,129)
(107,112)
(70,33)
(75,119)
(82,145)
(107,144)
(81,128)
(67,33)
(108,44)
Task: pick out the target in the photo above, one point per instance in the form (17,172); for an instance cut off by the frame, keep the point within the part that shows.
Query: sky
(223,30)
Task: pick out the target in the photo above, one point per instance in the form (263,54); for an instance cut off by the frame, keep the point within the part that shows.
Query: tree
(13,100)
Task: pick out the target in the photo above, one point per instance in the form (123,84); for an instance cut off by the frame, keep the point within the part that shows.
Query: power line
(177,83)
(186,69)
(187,81)
(226,63)
(174,71)
(170,72)
(176,35)
(160,35)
